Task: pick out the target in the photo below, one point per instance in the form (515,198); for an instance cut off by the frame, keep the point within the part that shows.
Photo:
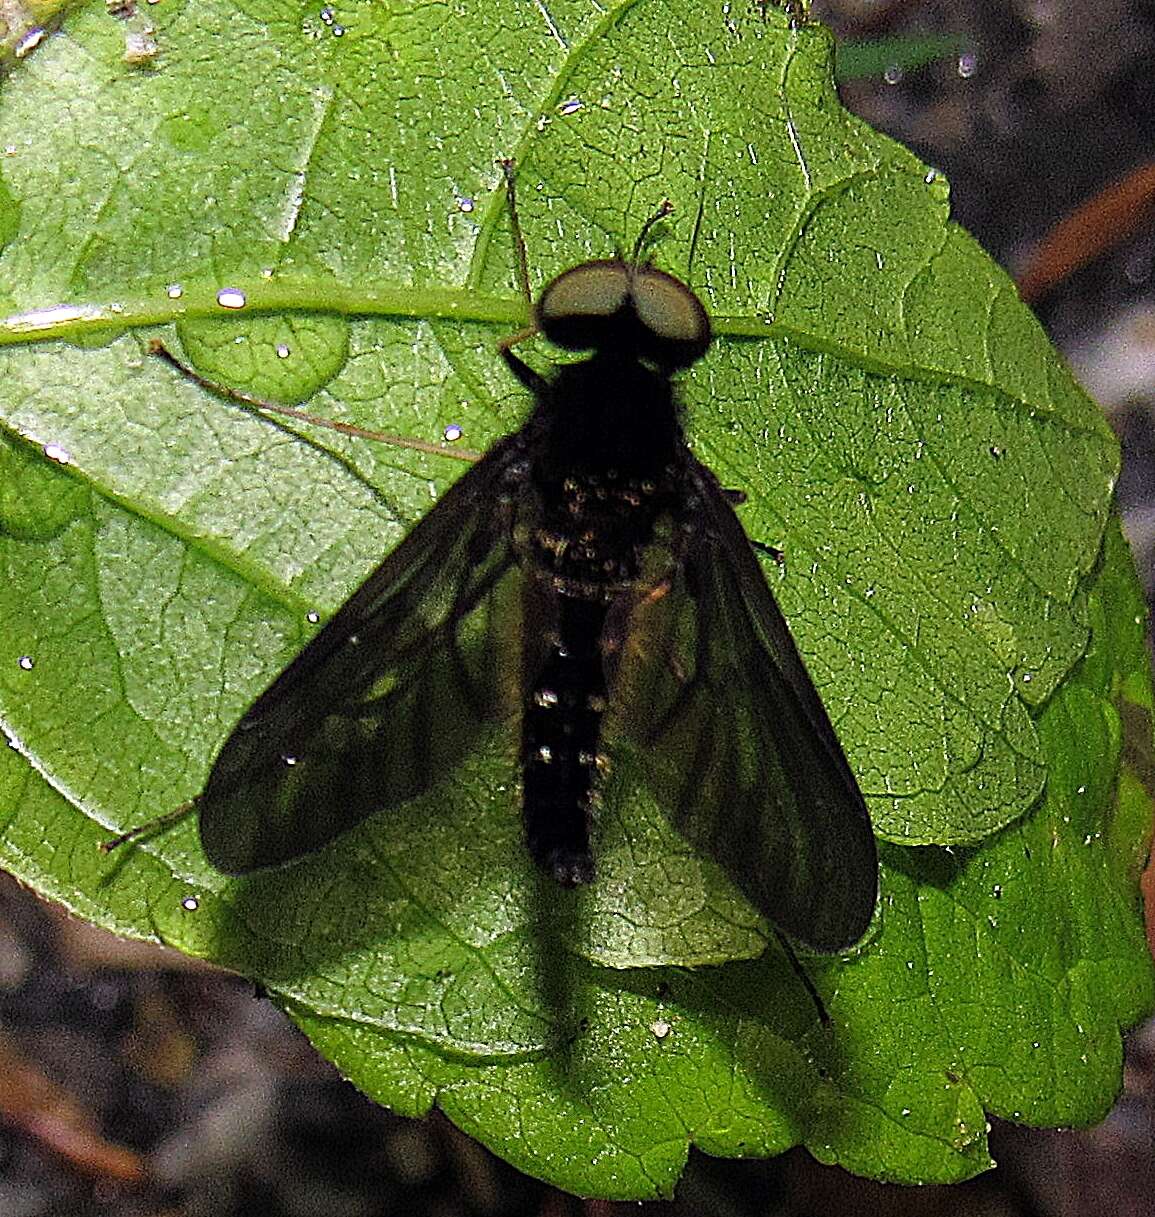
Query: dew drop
(312,617)
(660,1028)
(465,204)
(140,46)
(968,64)
(174,291)
(231,297)
(282,350)
(26,662)
(545,754)
(29,42)
(893,74)
(190,904)
(56,453)
(570,106)
(452,432)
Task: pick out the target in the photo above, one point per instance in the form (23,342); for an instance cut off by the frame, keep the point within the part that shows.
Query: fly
(640,619)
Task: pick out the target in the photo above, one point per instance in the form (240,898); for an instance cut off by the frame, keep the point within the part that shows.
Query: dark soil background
(214,1104)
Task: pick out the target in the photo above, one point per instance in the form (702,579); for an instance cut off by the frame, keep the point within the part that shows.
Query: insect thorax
(609,470)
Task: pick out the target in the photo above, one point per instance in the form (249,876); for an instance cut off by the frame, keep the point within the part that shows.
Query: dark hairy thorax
(609,450)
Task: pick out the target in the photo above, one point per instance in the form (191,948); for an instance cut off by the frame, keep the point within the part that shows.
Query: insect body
(606,474)
(589,576)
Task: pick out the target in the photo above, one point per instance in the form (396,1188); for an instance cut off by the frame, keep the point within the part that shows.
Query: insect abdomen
(560,736)
(586,549)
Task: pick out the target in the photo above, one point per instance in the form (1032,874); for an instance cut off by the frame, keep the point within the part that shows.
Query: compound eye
(674,325)
(635,309)
(582,308)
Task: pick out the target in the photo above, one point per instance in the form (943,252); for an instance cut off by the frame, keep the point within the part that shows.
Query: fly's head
(627,311)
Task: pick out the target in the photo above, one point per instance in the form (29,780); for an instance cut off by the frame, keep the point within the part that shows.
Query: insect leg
(803,976)
(533,381)
(154,825)
(771,551)
(736,498)
(248,402)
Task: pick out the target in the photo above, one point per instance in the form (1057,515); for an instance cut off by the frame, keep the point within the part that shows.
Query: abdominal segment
(561,728)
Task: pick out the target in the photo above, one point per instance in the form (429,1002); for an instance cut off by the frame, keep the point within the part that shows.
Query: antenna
(521,262)
(664,209)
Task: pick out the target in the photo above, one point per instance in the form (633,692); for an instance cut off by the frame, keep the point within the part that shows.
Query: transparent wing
(742,752)
(387,695)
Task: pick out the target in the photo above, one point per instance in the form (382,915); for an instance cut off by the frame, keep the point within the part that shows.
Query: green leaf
(874,56)
(900,426)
